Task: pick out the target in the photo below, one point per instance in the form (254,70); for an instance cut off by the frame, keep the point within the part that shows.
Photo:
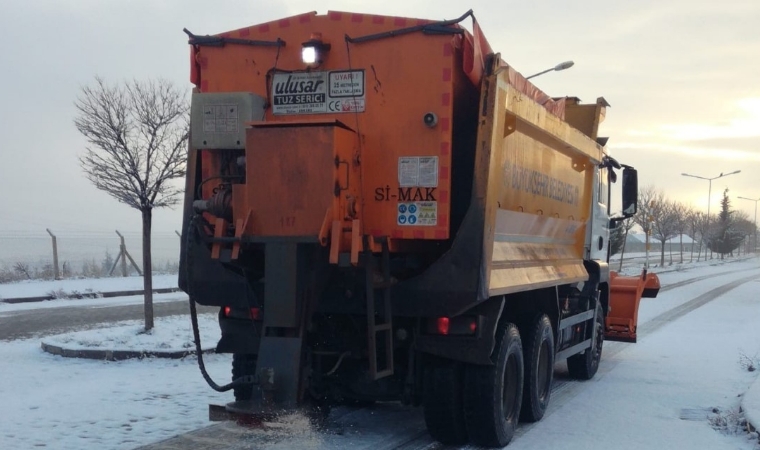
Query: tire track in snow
(567,390)
(700,278)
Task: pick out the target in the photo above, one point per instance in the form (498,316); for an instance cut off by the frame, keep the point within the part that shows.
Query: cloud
(745,124)
(690,151)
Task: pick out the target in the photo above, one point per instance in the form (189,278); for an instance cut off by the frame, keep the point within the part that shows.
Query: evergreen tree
(726,235)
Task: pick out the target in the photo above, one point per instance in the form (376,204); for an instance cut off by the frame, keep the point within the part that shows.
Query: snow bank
(170,334)
(37,288)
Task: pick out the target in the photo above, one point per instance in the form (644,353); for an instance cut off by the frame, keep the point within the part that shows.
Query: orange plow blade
(625,294)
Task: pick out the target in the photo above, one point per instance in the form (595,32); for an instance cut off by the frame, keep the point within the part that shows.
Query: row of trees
(664,219)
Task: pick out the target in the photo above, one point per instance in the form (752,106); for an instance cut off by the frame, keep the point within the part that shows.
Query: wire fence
(29,254)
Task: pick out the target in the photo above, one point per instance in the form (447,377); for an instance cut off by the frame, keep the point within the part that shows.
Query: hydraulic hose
(246,379)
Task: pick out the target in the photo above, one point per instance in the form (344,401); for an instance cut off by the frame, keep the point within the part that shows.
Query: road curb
(751,404)
(117,355)
(81,295)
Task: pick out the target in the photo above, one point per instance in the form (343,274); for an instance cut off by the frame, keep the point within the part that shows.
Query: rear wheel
(538,354)
(584,365)
(493,394)
(243,365)
(442,402)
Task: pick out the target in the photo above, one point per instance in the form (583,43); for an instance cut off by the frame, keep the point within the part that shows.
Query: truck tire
(583,366)
(442,401)
(243,365)
(493,394)
(538,355)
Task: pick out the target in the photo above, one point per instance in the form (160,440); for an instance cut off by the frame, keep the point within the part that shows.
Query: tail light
(454,326)
(442,325)
(235,313)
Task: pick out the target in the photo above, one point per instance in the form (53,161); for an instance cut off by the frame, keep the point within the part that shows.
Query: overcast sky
(682,76)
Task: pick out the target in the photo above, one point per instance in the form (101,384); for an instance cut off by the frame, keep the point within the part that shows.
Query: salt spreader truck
(384,210)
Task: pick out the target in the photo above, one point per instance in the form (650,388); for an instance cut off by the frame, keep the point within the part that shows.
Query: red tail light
(227,311)
(453,326)
(256,313)
(442,325)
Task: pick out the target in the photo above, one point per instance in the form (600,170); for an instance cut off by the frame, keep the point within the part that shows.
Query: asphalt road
(47,321)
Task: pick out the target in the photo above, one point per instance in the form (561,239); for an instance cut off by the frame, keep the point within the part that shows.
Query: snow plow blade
(625,295)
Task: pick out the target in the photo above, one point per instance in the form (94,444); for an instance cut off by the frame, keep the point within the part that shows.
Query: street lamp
(753,200)
(557,68)
(709,194)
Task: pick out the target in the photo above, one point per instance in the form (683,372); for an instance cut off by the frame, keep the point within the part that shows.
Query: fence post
(123,256)
(56,272)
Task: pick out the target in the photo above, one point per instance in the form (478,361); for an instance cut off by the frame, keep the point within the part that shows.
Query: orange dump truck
(384,210)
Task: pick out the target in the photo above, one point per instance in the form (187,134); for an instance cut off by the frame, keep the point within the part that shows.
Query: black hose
(246,379)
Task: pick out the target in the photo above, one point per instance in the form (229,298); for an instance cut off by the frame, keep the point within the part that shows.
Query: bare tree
(656,217)
(22,268)
(137,133)
(744,226)
(681,217)
(644,215)
(619,237)
(694,221)
(665,222)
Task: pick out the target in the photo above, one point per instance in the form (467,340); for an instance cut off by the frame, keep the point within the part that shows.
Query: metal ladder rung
(384,373)
(383,327)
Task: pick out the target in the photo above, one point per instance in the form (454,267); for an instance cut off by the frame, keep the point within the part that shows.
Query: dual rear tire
(483,404)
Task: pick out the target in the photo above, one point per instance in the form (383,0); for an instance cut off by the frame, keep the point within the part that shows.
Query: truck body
(384,210)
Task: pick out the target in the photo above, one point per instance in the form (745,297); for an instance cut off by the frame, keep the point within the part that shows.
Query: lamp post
(709,194)
(557,68)
(754,248)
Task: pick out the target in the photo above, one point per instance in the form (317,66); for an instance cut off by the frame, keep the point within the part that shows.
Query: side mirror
(630,191)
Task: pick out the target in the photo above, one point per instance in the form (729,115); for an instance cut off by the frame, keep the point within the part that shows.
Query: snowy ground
(170,334)
(38,288)
(662,391)
(685,369)
(93,302)
(64,403)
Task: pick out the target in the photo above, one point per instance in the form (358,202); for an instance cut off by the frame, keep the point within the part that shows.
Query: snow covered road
(651,395)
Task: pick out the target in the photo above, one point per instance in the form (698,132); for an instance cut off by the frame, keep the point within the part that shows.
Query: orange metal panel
(625,294)
(291,179)
(405,78)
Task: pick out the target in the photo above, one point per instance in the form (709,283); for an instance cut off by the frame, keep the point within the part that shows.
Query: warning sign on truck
(339,91)
(418,171)
(418,213)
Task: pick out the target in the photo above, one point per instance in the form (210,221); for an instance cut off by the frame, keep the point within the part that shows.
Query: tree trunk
(691,256)
(147,268)
(622,253)
(662,254)
(681,235)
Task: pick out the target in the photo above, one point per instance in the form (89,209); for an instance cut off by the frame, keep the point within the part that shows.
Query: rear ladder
(374,328)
